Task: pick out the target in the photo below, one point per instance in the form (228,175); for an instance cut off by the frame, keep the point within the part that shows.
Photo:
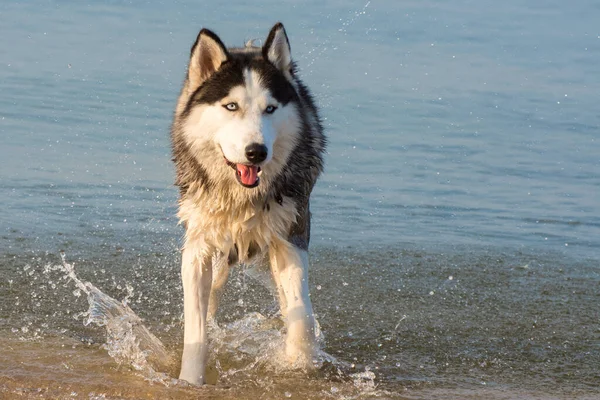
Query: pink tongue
(248,173)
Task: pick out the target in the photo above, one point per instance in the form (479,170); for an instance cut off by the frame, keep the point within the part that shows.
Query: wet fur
(223,218)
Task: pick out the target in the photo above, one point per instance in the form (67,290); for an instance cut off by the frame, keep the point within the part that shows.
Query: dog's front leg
(290,268)
(196,275)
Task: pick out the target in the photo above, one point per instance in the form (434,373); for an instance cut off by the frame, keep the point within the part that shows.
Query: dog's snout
(256,153)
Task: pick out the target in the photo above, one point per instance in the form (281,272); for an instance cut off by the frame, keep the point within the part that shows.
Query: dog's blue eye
(231,106)
(270,109)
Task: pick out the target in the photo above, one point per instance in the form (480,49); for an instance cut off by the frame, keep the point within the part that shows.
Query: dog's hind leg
(276,273)
(290,266)
(196,275)
(220,266)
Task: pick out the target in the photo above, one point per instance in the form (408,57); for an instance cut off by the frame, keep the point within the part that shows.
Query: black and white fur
(248,148)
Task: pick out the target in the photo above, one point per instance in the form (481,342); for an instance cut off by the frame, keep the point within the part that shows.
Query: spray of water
(245,350)
(128,341)
(317,52)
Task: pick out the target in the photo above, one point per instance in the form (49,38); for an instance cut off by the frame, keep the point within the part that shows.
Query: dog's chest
(246,227)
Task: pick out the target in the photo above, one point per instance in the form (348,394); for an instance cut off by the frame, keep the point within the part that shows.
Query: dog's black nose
(256,153)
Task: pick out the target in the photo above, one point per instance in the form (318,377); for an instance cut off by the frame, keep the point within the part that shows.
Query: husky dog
(248,148)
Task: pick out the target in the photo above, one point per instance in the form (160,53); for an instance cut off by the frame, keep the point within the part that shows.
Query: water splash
(128,341)
(254,346)
(251,349)
(326,45)
(244,353)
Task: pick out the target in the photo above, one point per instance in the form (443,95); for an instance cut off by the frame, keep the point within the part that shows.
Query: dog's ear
(207,55)
(277,49)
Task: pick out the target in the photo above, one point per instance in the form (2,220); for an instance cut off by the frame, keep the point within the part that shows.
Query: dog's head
(238,110)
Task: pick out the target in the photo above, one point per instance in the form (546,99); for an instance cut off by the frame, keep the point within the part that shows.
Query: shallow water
(455,232)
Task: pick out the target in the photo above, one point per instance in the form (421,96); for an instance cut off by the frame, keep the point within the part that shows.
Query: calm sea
(456,231)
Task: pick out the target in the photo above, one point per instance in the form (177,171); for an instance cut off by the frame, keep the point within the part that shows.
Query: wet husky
(248,148)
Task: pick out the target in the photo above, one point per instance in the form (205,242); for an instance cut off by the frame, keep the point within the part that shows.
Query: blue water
(461,134)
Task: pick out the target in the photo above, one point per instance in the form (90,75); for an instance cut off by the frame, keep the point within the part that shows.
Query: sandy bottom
(68,369)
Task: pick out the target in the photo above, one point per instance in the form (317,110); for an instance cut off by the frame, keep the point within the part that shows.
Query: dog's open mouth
(247,175)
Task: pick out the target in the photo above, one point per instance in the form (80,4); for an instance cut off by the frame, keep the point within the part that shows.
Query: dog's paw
(192,379)
(299,355)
